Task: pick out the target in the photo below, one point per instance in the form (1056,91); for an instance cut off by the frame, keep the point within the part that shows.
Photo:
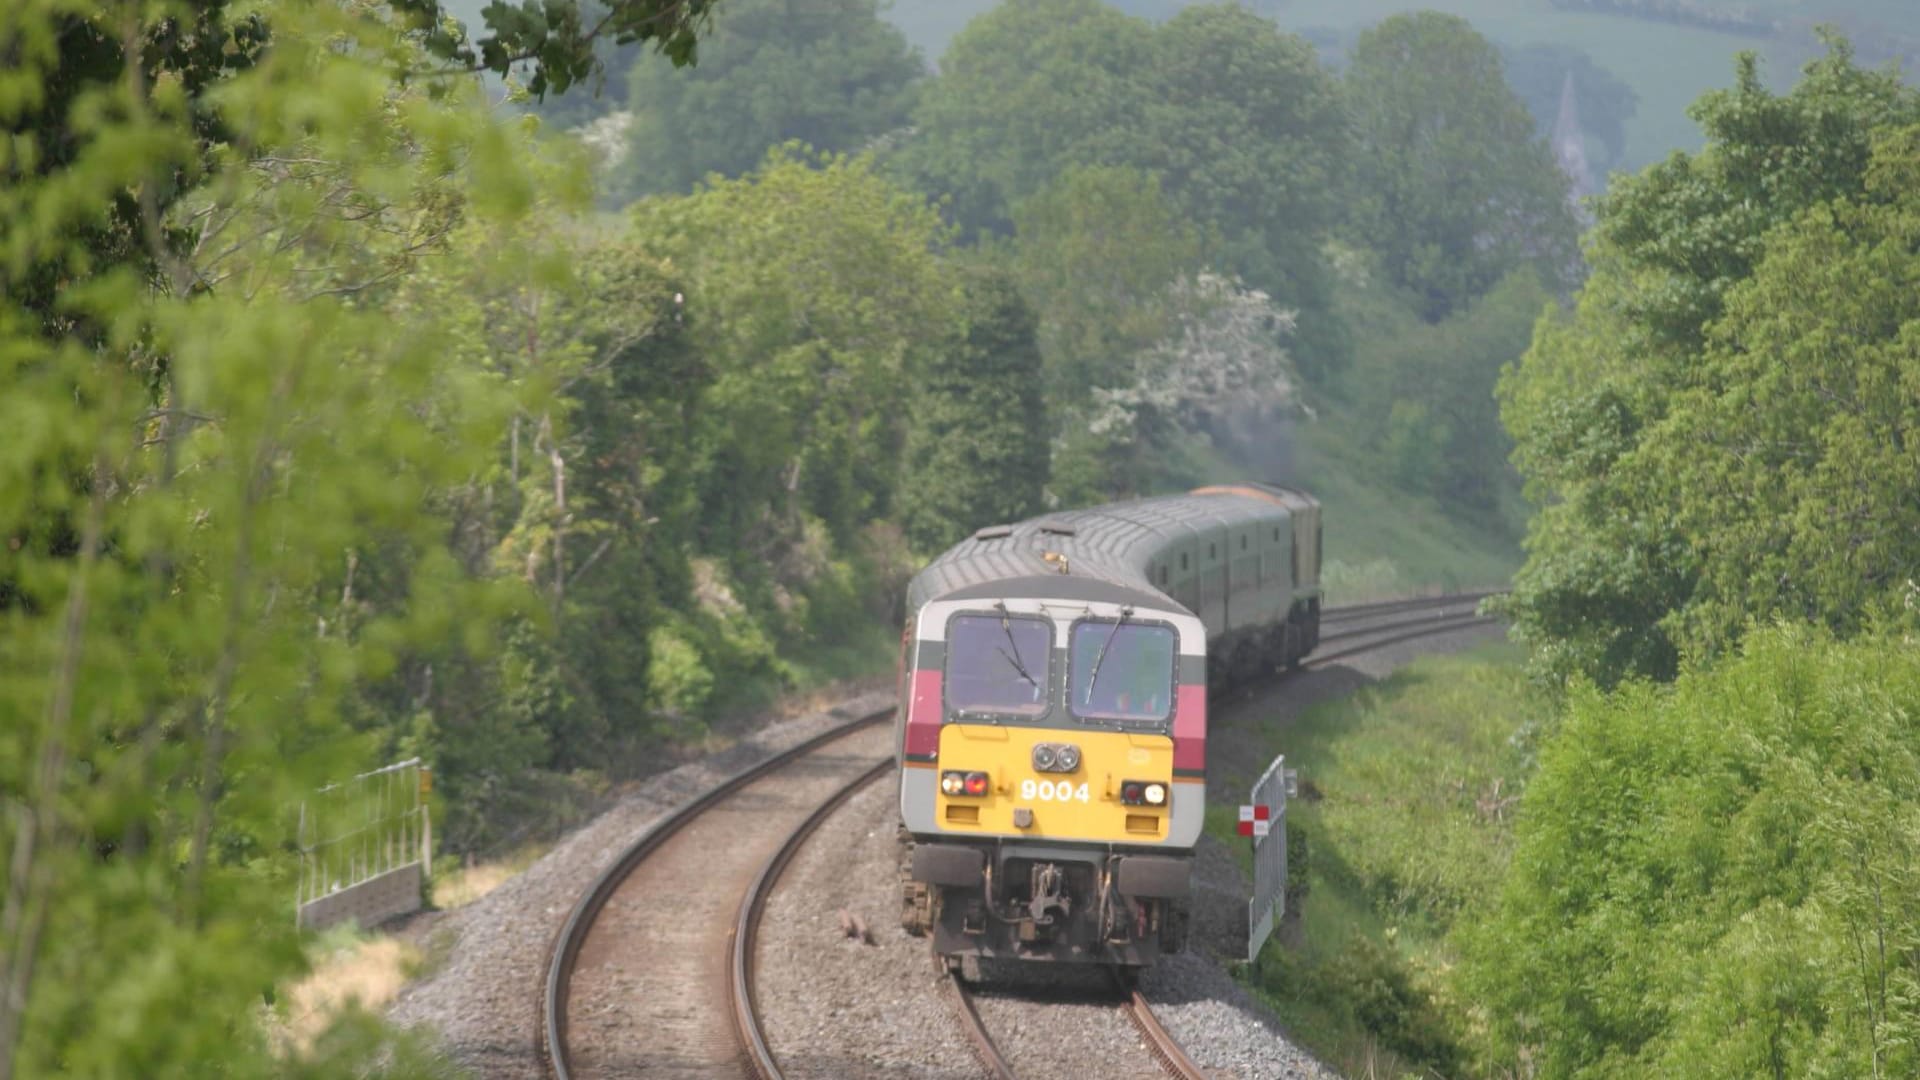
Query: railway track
(638,987)
(1352,612)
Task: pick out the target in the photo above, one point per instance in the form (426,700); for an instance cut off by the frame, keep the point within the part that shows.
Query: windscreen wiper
(1094,679)
(1006,627)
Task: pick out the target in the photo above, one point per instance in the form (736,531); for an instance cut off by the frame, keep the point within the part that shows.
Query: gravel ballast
(484,1001)
(834,1007)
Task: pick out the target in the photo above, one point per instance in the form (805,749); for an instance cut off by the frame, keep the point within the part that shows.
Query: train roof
(1107,549)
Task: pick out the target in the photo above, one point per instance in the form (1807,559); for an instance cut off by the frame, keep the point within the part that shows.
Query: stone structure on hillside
(1570,148)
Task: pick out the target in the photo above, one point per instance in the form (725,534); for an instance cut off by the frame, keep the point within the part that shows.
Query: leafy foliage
(1424,391)
(179,626)
(1452,188)
(1098,250)
(1718,879)
(832,75)
(553,42)
(976,453)
(1744,302)
(1237,121)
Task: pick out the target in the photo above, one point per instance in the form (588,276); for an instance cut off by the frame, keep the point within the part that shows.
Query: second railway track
(653,973)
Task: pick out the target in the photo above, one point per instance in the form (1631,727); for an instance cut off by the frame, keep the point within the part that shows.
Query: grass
(1403,819)
(350,970)
(1382,542)
(1379,542)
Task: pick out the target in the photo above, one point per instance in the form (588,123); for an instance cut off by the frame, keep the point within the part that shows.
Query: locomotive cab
(1053,777)
(1051,735)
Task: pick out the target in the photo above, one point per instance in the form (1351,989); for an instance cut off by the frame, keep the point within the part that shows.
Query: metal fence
(1268,813)
(365,847)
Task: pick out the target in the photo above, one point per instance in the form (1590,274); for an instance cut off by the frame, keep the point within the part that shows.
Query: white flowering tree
(1223,360)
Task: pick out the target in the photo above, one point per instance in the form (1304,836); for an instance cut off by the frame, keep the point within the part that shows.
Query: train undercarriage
(1052,903)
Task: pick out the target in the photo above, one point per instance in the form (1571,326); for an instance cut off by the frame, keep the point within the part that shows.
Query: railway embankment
(835,1006)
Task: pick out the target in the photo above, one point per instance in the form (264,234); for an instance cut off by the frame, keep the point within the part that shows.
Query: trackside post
(1264,820)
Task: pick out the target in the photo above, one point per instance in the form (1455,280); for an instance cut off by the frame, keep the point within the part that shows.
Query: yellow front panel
(1081,805)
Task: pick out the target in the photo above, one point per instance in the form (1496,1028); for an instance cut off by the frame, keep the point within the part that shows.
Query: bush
(1718,879)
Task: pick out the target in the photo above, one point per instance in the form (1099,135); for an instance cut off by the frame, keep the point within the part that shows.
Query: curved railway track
(721,856)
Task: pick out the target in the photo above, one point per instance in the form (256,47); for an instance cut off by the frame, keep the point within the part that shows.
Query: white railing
(360,831)
(1269,901)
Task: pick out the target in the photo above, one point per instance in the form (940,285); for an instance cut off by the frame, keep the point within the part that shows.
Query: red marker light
(1130,793)
(977,783)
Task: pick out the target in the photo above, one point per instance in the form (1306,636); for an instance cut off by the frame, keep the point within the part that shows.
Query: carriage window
(1122,671)
(998,665)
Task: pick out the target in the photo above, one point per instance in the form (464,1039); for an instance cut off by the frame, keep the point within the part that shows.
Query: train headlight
(1143,792)
(1055,757)
(1156,794)
(953,783)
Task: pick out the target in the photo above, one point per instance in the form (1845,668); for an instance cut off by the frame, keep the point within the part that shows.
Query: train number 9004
(1049,791)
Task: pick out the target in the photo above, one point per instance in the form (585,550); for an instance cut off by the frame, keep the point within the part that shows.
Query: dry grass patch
(364,973)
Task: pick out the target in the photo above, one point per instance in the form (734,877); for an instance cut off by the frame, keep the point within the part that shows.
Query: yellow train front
(1052,729)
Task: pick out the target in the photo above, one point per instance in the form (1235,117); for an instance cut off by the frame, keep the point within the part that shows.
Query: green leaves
(1453,189)
(1717,879)
(1236,122)
(833,76)
(1718,431)
(553,42)
(217,508)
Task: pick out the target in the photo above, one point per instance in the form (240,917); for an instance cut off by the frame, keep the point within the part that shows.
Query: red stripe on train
(923,713)
(1190,728)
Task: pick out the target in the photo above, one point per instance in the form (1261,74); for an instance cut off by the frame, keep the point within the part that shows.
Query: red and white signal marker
(1255,820)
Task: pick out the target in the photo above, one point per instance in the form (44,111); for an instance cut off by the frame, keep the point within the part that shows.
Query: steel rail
(1420,618)
(1160,1043)
(746,930)
(1348,612)
(573,933)
(976,1030)
(1428,629)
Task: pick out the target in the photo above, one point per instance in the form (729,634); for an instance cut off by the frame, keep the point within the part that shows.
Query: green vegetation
(977,451)
(1744,302)
(833,79)
(1451,192)
(1400,836)
(1717,879)
(348,422)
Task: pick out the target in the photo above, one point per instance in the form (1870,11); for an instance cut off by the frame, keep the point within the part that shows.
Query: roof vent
(993,532)
(1058,528)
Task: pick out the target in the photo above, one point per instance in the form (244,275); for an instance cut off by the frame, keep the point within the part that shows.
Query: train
(1051,734)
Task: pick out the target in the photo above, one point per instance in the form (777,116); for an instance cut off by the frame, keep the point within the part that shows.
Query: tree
(213,418)
(1238,123)
(1248,135)
(553,43)
(810,289)
(1452,187)
(1717,878)
(1026,91)
(1098,251)
(833,75)
(976,452)
(1649,421)
(1426,394)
